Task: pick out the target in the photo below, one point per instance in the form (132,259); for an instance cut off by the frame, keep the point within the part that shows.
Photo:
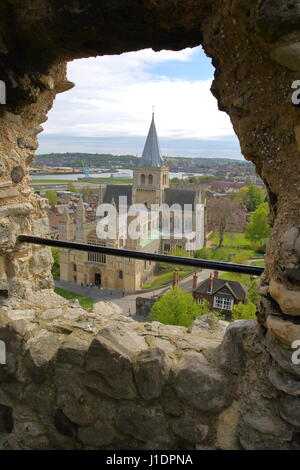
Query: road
(126,302)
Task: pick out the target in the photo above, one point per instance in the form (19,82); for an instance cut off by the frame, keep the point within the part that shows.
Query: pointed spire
(151,154)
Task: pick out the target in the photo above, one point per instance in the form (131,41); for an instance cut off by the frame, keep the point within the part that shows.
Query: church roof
(114,191)
(151,154)
(180,196)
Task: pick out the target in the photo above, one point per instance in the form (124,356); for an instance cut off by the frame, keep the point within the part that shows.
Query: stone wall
(143,305)
(254,46)
(79,379)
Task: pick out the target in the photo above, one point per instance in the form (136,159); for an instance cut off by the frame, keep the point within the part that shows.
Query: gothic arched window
(143,179)
(150,179)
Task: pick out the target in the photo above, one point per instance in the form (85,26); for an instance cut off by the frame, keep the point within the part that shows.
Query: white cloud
(114,96)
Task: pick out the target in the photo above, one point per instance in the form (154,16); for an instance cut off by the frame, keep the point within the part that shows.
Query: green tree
(258,229)
(175,180)
(203,253)
(176,307)
(244,311)
(72,188)
(252,196)
(204,308)
(52,197)
(253,293)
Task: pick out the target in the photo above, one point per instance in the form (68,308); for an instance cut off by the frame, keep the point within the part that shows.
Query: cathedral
(150,187)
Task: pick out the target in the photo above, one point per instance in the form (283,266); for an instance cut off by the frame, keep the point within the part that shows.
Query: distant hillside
(91,159)
(96,160)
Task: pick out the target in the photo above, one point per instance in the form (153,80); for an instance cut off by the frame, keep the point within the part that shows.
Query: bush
(244,311)
(203,253)
(176,307)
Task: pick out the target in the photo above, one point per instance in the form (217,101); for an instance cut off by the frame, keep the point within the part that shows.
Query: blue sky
(109,109)
(198,68)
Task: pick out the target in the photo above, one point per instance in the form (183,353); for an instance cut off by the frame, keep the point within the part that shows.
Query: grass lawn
(261,264)
(233,244)
(164,278)
(85,302)
(231,240)
(242,278)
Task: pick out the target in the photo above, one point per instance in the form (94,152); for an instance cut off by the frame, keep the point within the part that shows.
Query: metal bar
(197,263)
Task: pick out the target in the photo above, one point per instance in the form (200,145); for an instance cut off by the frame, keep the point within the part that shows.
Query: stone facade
(150,188)
(254,46)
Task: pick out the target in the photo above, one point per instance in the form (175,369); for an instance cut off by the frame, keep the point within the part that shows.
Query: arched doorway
(97,279)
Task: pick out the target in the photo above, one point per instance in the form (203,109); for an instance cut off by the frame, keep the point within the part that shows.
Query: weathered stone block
(232,354)
(151,372)
(227,430)
(189,430)
(77,404)
(111,369)
(73,351)
(285,331)
(41,350)
(288,299)
(210,392)
(209,326)
(141,423)
(282,355)
(283,381)
(289,409)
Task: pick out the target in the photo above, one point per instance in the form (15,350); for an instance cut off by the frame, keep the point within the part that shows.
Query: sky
(109,110)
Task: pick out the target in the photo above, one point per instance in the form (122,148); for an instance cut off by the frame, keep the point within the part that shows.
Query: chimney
(195,276)
(210,284)
(216,274)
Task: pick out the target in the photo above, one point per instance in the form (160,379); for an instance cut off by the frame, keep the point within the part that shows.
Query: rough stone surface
(231,353)
(189,430)
(209,326)
(227,431)
(288,299)
(211,389)
(284,330)
(151,372)
(253,44)
(107,387)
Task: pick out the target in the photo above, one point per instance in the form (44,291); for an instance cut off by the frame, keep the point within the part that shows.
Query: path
(126,302)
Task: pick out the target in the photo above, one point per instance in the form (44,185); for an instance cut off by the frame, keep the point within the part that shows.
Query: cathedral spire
(151,154)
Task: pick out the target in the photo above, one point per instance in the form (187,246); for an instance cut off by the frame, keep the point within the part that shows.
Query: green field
(85,302)
(231,239)
(233,244)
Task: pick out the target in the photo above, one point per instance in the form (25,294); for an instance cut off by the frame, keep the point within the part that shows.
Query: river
(124,173)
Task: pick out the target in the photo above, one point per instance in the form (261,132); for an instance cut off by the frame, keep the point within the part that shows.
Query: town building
(161,232)
(221,294)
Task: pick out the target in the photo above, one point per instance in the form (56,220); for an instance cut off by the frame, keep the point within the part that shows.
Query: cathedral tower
(80,222)
(151,176)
